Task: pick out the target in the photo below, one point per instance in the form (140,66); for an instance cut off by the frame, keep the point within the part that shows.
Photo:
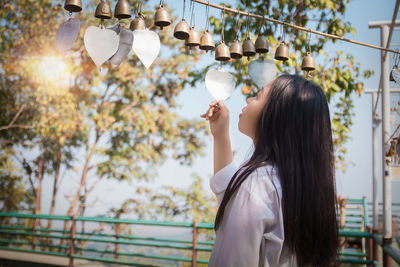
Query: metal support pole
(376,121)
(375,144)
(386,175)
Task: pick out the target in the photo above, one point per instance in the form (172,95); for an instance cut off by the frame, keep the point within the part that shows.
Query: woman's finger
(210,113)
(213,103)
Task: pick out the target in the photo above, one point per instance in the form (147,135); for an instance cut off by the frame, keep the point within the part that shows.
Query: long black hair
(294,134)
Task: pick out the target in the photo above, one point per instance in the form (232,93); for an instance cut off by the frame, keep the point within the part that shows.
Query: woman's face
(251,113)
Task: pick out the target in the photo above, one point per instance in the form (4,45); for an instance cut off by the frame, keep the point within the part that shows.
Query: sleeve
(219,182)
(252,214)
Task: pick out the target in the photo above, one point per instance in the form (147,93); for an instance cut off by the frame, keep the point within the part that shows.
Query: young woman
(278,208)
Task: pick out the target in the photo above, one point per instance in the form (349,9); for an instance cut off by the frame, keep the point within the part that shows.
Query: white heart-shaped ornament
(67,34)
(220,84)
(262,72)
(100,43)
(125,45)
(396,75)
(146,45)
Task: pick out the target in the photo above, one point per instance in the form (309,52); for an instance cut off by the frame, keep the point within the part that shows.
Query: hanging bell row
(122,10)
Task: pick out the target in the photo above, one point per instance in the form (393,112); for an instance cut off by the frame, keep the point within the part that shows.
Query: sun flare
(52,69)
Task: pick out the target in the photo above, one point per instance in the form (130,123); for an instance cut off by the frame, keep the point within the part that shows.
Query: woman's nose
(248,100)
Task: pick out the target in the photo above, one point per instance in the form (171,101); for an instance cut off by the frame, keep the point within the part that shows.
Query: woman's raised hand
(218,115)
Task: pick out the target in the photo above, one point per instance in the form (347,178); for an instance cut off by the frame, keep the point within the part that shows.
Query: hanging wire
(161,2)
(308,36)
(207,17)
(139,10)
(247,25)
(223,25)
(237,25)
(262,29)
(283,34)
(184,8)
(192,15)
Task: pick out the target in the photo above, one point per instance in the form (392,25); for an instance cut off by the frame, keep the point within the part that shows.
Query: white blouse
(251,232)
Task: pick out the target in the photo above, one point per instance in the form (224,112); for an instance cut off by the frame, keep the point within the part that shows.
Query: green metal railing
(25,240)
(26,237)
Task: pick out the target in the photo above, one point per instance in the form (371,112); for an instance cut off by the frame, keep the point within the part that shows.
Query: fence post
(117,231)
(375,244)
(342,220)
(387,260)
(370,245)
(194,244)
(72,244)
(34,232)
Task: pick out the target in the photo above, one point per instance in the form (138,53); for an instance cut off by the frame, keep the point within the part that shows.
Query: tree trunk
(37,201)
(75,200)
(55,189)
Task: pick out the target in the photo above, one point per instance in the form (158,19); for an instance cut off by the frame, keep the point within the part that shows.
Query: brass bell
(249,49)
(262,45)
(236,50)
(391,74)
(207,41)
(181,30)
(282,52)
(73,5)
(103,11)
(122,10)
(162,18)
(194,38)
(308,63)
(137,24)
(222,52)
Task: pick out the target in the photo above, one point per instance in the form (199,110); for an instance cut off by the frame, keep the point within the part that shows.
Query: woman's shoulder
(264,179)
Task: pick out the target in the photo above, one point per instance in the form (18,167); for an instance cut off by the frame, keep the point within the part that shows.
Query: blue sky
(355,183)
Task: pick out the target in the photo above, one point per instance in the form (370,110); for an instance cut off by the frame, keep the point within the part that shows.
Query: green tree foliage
(339,75)
(118,123)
